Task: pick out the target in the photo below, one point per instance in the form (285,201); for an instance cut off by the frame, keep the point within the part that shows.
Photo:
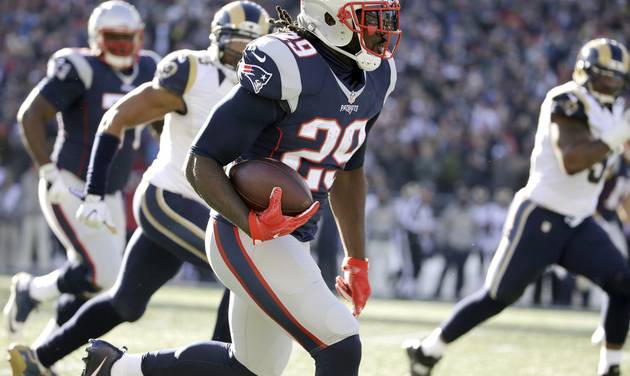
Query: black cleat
(20,304)
(420,364)
(24,362)
(612,371)
(100,358)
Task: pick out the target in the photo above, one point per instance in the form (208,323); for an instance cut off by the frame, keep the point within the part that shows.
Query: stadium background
(472,75)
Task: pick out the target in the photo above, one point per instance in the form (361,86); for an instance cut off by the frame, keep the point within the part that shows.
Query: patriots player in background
(582,128)
(171,216)
(307,96)
(80,85)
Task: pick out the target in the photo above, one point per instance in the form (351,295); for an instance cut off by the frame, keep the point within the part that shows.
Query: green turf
(518,342)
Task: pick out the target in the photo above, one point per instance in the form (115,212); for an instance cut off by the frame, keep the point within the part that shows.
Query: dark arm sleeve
(235,124)
(359,156)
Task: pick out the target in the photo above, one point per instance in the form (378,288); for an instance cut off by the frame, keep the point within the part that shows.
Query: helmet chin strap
(364,59)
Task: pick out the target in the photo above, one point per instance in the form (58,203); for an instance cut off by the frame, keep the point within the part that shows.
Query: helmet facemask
(376,24)
(605,84)
(339,23)
(119,48)
(228,45)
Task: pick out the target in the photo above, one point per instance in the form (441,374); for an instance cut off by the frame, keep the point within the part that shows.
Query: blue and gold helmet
(603,67)
(233,26)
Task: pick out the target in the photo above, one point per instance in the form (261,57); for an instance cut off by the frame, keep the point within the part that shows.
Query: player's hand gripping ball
(279,199)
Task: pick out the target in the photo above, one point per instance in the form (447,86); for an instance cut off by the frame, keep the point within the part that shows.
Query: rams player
(582,128)
(80,85)
(171,216)
(307,96)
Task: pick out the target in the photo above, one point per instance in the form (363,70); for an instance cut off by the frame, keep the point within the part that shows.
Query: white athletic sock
(433,344)
(43,336)
(607,358)
(44,288)
(128,365)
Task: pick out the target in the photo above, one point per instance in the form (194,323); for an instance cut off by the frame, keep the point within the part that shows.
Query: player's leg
(179,224)
(279,293)
(591,253)
(533,239)
(99,251)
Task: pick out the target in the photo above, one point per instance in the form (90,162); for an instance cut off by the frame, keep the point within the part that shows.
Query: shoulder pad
(569,100)
(175,72)
(70,63)
(270,69)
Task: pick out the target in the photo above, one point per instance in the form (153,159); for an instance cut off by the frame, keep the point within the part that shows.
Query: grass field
(518,342)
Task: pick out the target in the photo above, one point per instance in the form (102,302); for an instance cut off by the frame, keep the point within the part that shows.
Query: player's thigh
(592,254)
(258,342)
(100,249)
(281,279)
(175,222)
(614,231)
(532,240)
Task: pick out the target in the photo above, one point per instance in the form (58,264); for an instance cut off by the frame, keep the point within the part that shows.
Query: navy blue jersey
(81,88)
(306,116)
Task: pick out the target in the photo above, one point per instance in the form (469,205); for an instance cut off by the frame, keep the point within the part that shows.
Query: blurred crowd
(451,145)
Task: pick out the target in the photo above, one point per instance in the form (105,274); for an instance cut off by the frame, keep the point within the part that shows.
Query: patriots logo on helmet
(256,75)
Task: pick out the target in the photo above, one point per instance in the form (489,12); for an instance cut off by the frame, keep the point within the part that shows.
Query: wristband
(103,152)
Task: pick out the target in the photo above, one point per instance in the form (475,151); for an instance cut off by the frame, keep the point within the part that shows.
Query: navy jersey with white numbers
(319,126)
(81,88)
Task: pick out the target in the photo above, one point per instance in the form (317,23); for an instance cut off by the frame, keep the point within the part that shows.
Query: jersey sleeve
(173,74)
(269,69)
(68,76)
(568,105)
(357,159)
(229,131)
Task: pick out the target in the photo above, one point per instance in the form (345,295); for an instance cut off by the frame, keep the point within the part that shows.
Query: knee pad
(342,358)
(129,309)
(77,279)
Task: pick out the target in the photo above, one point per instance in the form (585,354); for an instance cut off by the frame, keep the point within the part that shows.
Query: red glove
(271,223)
(354,286)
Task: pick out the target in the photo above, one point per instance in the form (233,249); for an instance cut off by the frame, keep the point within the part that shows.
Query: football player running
(80,85)
(307,96)
(171,216)
(581,129)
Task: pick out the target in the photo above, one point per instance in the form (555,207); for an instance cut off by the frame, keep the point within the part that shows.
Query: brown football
(254,179)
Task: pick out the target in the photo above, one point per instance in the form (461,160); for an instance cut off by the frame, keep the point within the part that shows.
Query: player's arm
(347,201)
(33,116)
(228,134)
(577,149)
(145,104)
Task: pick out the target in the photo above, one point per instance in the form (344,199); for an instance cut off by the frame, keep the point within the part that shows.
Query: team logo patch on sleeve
(256,75)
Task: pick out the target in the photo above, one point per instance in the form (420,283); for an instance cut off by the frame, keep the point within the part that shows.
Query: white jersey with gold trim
(549,186)
(201,83)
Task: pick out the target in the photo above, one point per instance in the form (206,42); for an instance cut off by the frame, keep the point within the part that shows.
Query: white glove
(57,189)
(613,126)
(94,213)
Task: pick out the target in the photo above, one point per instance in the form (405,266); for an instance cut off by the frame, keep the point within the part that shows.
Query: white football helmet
(116,33)
(336,22)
